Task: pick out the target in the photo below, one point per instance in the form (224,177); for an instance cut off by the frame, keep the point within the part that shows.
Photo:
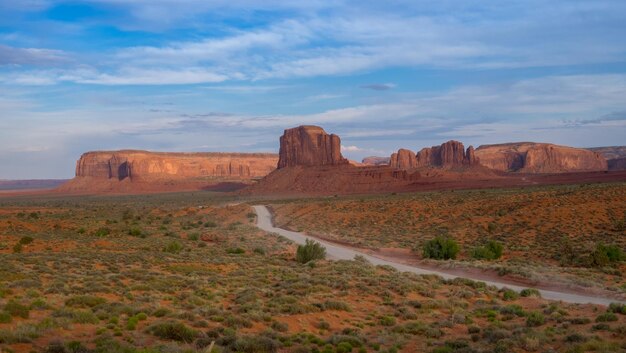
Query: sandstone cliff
(309,146)
(403,159)
(617,163)
(529,157)
(447,155)
(129,169)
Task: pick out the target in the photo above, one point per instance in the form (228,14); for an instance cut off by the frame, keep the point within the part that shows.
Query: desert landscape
(312,176)
(433,251)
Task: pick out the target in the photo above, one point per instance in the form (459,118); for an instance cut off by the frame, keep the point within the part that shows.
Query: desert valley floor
(180,272)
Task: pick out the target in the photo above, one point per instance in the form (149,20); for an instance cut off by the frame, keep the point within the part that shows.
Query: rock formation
(129,169)
(309,146)
(403,159)
(529,157)
(373,160)
(617,163)
(143,165)
(449,154)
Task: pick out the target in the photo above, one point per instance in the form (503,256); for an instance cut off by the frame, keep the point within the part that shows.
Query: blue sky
(192,75)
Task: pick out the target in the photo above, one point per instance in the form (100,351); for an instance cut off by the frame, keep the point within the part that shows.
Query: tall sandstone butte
(403,159)
(530,157)
(309,145)
(448,154)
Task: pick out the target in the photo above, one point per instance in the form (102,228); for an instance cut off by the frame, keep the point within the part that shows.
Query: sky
(231,75)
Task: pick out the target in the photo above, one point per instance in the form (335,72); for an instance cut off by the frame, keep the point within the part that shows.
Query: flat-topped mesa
(143,165)
(374,160)
(530,157)
(309,146)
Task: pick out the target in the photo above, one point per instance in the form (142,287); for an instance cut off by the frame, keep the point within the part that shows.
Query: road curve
(337,252)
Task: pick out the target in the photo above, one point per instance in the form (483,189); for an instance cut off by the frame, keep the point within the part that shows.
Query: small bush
(235,251)
(310,251)
(441,248)
(530,292)
(617,308)
(193,236)
(17,248)
(387,321)
(173,247)
(16,309)
(535,319)
(102,232)
(509,294)
(606,317)
(5,317)
(605,255)
(85,301)
(174,331)
(490,251)
(26,240)
(135,232)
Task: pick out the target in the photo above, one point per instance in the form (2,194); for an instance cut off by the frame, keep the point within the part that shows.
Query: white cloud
(350,149)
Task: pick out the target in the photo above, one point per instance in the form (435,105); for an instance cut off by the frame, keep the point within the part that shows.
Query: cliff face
(309,146)
(449,154)
(131,171)
(403,159)
(529,157)
(617,163)
(142,165)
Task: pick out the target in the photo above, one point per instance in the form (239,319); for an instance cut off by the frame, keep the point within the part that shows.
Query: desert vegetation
(570,233)
(179,272)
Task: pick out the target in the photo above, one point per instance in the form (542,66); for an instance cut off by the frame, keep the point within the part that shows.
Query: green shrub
(174,331)
(132,322)
(26,240)
(255,344)
(103,231)
(509,294)
(16,309)
(490,251)
(617,308)
(235,251)
(193,236)
(84,301)
(135,232)
(310,251)
(387,321)
(606,317)
(5,317)
(530,292)
(441,248)
(604,255)
(535,319)
(173,247)
(17,248)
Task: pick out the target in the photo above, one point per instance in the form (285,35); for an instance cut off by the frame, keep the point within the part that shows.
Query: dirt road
(334,251)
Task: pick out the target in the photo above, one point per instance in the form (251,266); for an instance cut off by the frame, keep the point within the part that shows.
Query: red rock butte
(309,146)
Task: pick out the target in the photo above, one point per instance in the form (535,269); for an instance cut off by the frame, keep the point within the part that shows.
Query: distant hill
(31,184)
(610,152)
